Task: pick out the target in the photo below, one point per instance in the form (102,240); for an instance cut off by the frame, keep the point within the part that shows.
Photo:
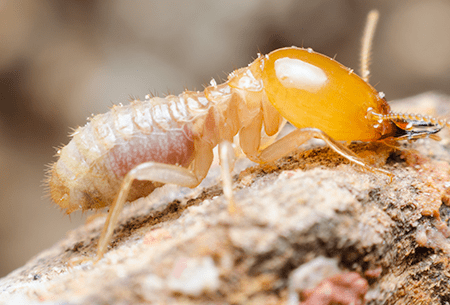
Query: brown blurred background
(61,61)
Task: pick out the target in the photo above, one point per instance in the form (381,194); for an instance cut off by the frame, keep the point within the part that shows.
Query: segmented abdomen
(91,167)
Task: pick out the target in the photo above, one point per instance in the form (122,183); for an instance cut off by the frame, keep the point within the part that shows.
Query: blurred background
(61,61)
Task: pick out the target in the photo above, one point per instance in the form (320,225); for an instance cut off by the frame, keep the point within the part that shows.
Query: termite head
(312,90)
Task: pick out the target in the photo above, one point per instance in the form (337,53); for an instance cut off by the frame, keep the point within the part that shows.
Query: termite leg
(299,136)
(158,172)
(292,141)
(227,159)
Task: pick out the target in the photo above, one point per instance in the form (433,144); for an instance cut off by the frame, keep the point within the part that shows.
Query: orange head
(312,90)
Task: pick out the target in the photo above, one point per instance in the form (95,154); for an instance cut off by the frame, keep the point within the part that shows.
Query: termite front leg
(292,141)
(157,172)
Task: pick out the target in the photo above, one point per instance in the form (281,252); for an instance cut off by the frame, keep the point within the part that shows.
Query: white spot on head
(295,73)
(381,94)
(310,50)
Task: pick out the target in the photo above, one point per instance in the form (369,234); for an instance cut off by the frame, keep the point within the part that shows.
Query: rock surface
(182,246)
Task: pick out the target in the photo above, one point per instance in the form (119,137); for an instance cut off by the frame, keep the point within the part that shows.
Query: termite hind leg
(227,159)
(296,138)
(150,171)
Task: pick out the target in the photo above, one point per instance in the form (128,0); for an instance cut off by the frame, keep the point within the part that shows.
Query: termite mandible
(171,139)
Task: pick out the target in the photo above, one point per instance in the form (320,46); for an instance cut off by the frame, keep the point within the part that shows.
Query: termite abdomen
(91,167)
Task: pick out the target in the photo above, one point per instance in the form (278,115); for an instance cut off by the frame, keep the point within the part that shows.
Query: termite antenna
(369,31)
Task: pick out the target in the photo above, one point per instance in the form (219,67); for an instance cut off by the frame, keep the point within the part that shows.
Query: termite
(129,151)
